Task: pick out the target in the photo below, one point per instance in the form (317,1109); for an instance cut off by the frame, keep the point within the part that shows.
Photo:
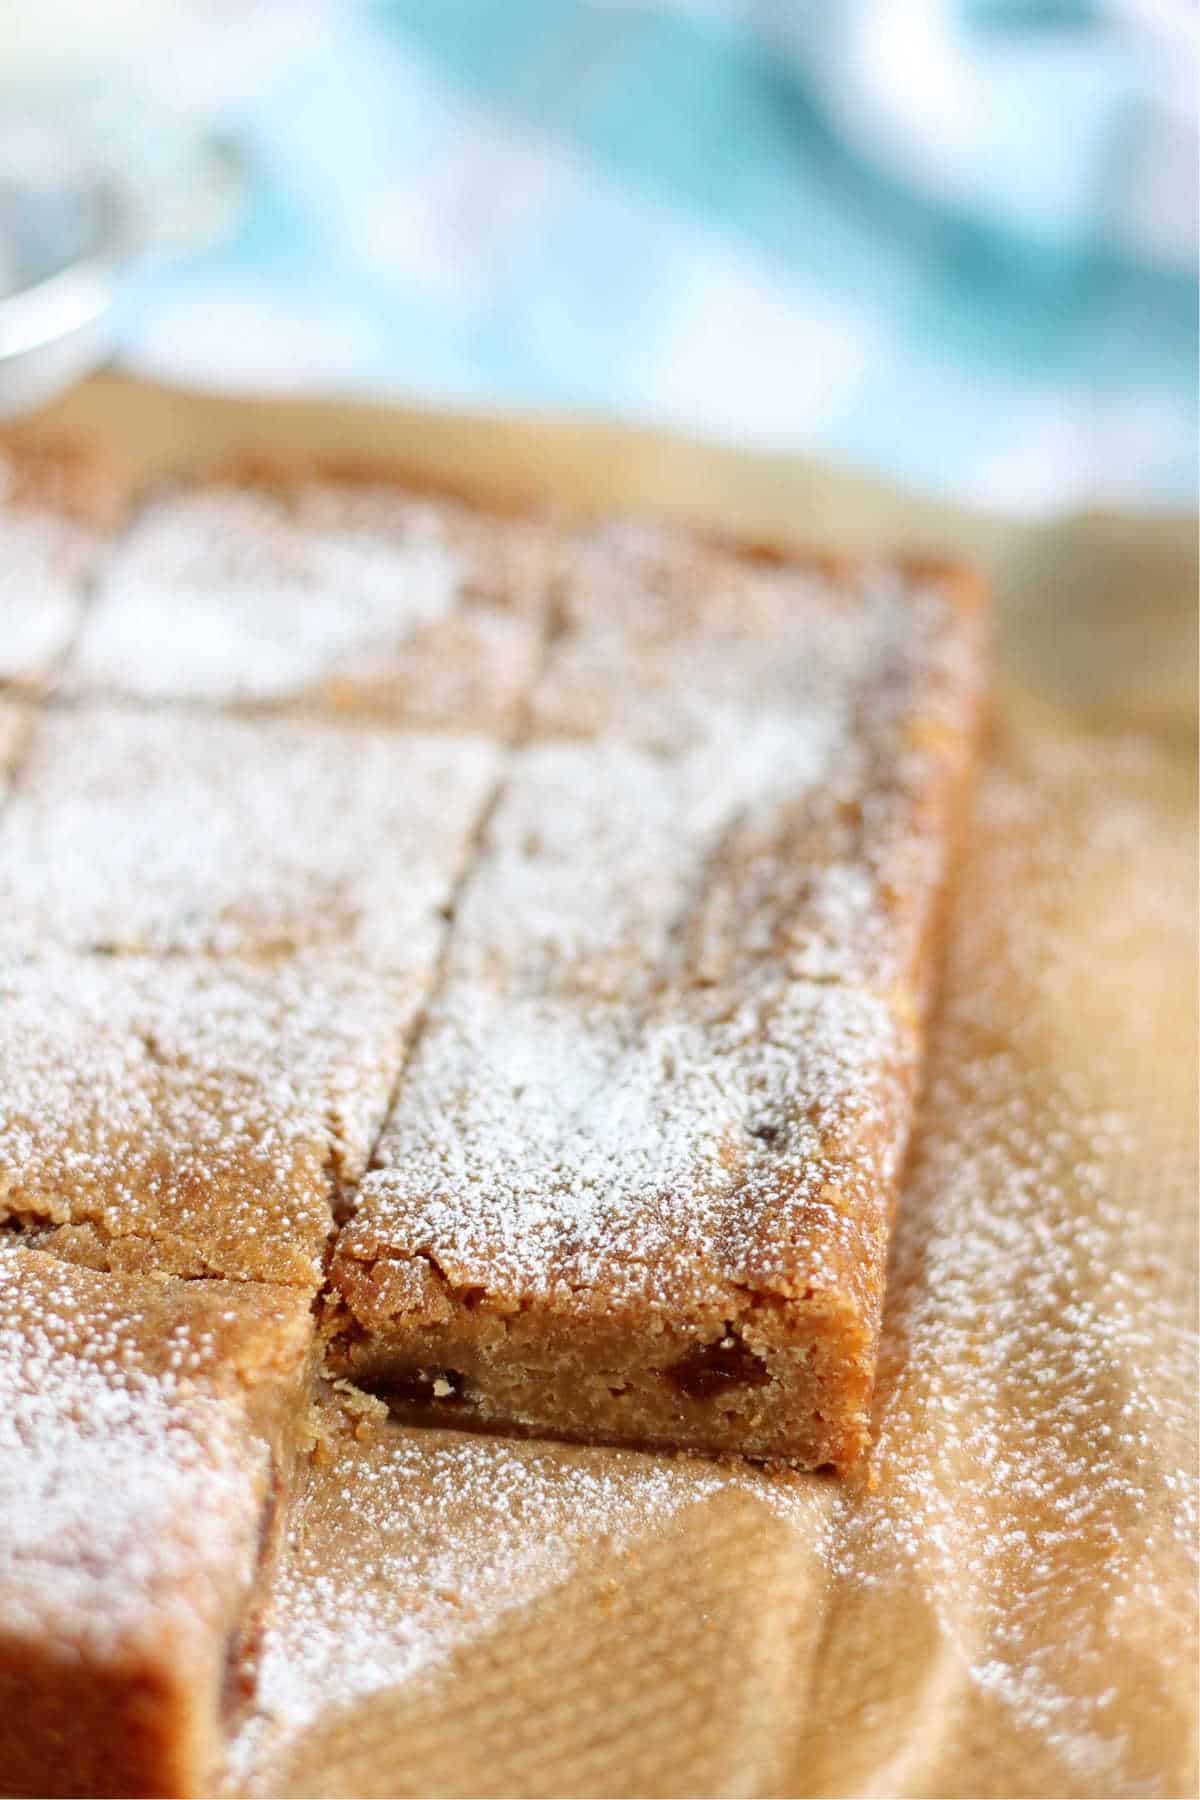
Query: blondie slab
(147,1431)
(326,593)
(188,1116)
(638,1183)
(857,686)
(186,833)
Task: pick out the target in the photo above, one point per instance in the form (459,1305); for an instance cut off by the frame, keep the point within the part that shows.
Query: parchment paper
(1006,1605)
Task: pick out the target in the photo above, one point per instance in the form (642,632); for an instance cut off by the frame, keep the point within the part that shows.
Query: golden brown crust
(68,476)
(288,474)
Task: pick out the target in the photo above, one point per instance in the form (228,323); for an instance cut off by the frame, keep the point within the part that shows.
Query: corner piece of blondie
(147,1430)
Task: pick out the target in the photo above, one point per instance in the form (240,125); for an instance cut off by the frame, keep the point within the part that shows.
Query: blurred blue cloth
(940,241)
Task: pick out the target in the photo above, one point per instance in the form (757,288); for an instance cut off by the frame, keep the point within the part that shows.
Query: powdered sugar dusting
(612,1105)
(667,635)
(1036,1446)
(181,833)
(598,853)
(45,560)
(614,1150)
(410,1545)
(867,680)
(235,595)
(187,1115)
(130,1482)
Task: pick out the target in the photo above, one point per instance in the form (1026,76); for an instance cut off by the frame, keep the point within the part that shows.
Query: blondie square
(150,831)
(147,1433)
(846,694)
(190,1116)
(637,1186)
(311,591)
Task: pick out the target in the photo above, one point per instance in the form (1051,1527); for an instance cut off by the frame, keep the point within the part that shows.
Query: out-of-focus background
(950,240)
